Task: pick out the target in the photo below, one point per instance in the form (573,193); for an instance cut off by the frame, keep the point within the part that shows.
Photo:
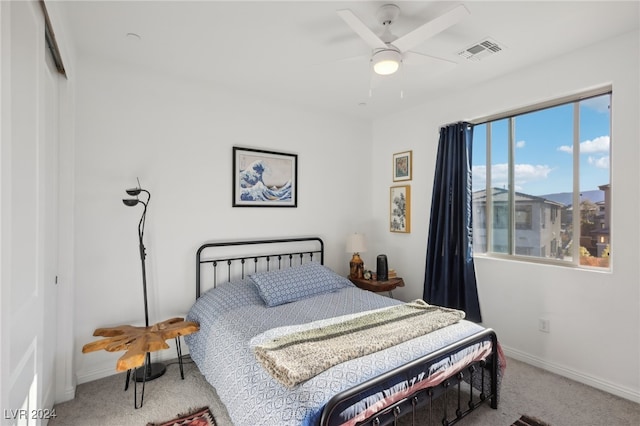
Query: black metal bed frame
(478,372)
(267,258)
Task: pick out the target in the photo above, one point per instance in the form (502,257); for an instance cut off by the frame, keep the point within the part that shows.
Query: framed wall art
(264,178)
(400,209)
(402,166)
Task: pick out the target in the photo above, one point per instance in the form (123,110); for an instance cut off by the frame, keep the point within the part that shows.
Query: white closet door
(28,254)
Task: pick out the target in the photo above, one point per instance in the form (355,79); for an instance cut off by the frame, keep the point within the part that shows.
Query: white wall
(177,138)
(594,316)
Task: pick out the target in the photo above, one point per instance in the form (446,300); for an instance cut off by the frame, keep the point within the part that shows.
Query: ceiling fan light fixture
(386,62)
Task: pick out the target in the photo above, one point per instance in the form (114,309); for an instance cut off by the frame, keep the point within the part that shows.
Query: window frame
(511,254)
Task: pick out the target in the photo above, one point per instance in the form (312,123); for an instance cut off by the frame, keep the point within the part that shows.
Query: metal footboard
(452,387)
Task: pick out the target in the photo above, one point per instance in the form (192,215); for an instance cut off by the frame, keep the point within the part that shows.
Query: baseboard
(66,395)
(612,388)
(101,373)
(97,374)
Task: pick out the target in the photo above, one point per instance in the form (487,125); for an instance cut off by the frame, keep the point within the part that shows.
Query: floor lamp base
(152,371)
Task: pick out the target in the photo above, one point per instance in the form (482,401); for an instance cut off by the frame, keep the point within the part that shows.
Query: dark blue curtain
(450,278)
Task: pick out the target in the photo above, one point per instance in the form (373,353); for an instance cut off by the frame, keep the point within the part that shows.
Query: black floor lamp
(156,369)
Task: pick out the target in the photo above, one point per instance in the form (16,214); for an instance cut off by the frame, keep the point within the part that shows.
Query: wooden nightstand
(378,286)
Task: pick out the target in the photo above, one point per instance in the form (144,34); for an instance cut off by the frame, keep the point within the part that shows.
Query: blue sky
(543,154)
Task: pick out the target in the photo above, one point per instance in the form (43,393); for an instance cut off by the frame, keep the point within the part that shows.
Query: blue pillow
(296,283)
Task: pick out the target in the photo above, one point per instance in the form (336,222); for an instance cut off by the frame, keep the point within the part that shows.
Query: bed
(242,308)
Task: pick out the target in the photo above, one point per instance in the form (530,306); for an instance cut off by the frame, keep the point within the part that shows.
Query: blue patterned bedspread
(232,314)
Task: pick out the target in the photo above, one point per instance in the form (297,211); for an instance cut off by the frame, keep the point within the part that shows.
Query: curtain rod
(590,93)
(468,124)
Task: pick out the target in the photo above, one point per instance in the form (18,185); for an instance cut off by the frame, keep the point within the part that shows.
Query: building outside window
(531,168)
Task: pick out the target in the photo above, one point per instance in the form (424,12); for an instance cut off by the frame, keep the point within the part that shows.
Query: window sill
(540,261)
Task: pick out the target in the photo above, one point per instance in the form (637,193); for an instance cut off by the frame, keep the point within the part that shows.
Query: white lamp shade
(356,243)
(386,62)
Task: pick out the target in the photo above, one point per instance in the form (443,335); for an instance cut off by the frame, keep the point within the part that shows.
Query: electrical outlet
(544,325)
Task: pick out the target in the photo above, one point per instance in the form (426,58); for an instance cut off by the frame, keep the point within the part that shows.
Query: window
(543,175)
(523,217)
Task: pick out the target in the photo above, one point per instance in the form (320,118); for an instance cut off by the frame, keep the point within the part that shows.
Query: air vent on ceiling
(481,49)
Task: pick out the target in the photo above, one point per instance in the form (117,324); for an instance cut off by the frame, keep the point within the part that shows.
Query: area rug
(529,421)
(199,417)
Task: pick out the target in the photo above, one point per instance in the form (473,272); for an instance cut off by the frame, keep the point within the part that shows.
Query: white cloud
(599,163)
(520,144)
(524,173)
(599,144)
(530,172)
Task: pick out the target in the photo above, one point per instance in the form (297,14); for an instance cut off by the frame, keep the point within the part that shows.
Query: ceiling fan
(389,51)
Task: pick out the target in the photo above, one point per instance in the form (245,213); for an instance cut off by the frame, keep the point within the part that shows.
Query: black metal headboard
(258,255)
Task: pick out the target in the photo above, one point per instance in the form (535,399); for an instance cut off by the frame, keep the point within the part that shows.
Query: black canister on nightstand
(382,270)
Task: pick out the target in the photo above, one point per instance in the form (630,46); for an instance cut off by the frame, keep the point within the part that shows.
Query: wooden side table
(138,342)
(378,286)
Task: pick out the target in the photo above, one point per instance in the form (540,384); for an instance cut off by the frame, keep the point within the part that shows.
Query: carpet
(199,417)
(529,421)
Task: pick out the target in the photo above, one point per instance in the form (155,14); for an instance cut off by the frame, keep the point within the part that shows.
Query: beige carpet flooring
(525,390)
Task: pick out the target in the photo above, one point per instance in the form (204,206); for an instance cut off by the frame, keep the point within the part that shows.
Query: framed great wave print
(264,178)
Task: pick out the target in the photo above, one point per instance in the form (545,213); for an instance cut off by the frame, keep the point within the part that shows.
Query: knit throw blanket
(297,357)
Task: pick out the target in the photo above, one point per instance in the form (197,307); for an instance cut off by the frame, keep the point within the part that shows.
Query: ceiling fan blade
(431,28)
(361,29)
(432,63)
(348,60)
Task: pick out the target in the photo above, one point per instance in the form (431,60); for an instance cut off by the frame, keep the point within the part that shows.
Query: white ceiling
(296,51)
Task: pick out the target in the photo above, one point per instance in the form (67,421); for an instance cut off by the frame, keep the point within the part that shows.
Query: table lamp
(356,245)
